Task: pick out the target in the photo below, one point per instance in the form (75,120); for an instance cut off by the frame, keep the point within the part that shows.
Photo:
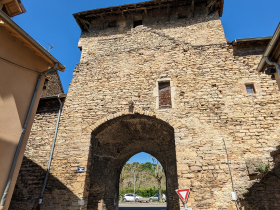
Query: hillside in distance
(144,176)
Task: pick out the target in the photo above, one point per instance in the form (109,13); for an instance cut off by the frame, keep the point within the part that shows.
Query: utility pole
(134,187)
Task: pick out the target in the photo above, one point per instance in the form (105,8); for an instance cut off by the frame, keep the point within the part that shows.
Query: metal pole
(134,187)
(185,205)
(51,154)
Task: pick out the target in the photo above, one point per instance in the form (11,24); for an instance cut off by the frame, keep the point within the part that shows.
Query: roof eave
(234,42)
(7,20)
(269,49)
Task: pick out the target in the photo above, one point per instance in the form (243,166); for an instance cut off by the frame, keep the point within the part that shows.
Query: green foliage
(144,174)
(141,167)
(262,167)
(146,166)
(148,192)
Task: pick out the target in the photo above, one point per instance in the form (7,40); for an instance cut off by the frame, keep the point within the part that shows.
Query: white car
(156,198)
(131,197)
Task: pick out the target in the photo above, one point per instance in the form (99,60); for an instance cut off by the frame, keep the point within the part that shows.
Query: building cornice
(271,48)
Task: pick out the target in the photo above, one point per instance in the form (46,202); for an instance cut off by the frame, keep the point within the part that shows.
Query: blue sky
(141,157)
(51,21)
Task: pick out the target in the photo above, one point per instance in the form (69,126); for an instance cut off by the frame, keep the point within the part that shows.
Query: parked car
(131,197)
(156,198)
(143,200)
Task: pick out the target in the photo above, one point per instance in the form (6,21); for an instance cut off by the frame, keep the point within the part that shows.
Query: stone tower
(160,77)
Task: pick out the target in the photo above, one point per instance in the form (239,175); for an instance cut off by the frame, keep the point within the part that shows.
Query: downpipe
(273,64)
(51,154)
(5,193)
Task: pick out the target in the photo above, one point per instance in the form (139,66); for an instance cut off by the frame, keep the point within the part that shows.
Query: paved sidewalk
(142,206)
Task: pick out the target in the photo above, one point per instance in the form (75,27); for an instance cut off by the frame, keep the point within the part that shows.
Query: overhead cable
(18,65)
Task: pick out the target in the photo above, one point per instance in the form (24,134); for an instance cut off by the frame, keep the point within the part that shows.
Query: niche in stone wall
(137,23)
(257,168)
(112,24)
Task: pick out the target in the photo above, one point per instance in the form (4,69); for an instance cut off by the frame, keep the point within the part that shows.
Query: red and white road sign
(183,194)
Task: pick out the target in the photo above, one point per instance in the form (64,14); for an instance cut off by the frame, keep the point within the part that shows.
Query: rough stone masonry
(113,111)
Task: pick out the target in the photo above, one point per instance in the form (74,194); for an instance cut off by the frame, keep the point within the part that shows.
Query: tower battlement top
(84,18)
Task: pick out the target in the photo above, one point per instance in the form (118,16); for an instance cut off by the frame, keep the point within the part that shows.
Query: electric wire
(230,173)
(19,65)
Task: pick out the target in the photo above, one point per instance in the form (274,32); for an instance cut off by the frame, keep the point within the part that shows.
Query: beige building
(23,67)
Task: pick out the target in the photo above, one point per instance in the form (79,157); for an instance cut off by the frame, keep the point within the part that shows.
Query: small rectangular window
(137,23)
(112,24)
(250,88)
(164,95)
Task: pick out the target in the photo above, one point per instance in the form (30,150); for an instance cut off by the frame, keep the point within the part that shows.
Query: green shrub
(146,192)
(262,167)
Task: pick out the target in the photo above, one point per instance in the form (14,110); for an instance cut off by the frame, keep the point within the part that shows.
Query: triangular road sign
(183,194)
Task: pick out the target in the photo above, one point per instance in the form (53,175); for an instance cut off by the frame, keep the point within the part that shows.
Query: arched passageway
(114,142)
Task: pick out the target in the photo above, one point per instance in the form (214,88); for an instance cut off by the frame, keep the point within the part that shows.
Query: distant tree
(146,166)
(140,182)
(146,174)
(129,184)
(121,180)
(158,175)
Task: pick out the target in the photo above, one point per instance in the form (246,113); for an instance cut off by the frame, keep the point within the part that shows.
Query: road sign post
(184,194)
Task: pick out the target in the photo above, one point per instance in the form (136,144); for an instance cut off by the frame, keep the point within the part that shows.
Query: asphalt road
(142,206)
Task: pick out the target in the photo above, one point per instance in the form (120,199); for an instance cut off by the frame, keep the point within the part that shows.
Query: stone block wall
(202,29)
(33,169)
(52,85)
(211,114)
(210,107)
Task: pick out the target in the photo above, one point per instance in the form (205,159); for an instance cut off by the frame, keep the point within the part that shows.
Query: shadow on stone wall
(250,48)
(265,193)
(29,185)
(159,21)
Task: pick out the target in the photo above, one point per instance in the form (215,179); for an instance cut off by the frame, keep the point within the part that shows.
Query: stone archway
(114,142)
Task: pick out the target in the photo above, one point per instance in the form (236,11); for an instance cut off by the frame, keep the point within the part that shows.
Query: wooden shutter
(164,95)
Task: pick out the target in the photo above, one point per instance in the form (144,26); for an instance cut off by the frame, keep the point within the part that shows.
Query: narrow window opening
(182,15)
(46,81)
(250,88)
(137,23)
(164,95)
(112,24)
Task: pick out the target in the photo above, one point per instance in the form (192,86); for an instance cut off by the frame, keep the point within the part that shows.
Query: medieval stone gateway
(158,77)
(112,145)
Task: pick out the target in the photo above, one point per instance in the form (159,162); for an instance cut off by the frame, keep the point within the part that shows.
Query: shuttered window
(164,95)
